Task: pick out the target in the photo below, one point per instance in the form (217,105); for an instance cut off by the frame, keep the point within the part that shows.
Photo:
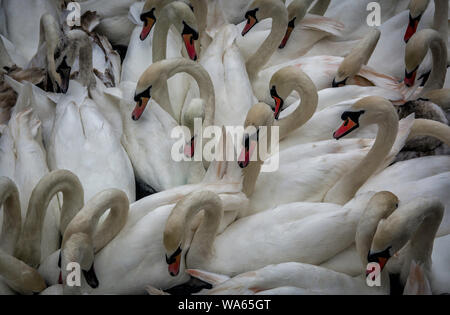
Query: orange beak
(189,42)
(147,28)
(278,105)
(410,78)
(286,37)
(174,268)
(412,28)
(347,127)
(139,109)
(251,21)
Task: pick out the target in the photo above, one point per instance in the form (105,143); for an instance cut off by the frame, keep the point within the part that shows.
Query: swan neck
(306,109)
(19,276)
(29,245)
(438,49)
(440,22)
(12,216)
(270,45)
(431,128)
(159,44)
(348,185)
(250,174)
(204,83)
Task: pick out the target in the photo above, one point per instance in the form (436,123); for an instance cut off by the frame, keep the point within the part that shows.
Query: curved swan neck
(183,216)
(320,7)
(29,245)
(19,276)
(358,56)
(204,83)
(12,218)
(349,184)
(427,127)
(416,222)
(295,79)
(86,221)
(419,45)
(159,45)
(375,211)
(270,45)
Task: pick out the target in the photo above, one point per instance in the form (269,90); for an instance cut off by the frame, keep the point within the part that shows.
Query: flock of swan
(93,202)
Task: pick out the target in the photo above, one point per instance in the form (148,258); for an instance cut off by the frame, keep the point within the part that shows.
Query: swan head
(297,10)
(389,239)
(380,206)
(148,16)
(78,249)
(260,115)
(195,111)
(283,82)
(260,10)
(183,19)
(416,50)
(367,111)
(416,10)
(185,221)
(150,13)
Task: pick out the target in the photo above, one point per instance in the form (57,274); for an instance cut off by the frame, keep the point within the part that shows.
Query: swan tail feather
(323,24)
(209,277)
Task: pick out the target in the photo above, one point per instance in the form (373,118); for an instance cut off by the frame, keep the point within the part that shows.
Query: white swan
(321,69)
(150,83)
(277,235)
(119,267)
(21,23)
(302,29)
(309,185)
(375,224)
(98,157)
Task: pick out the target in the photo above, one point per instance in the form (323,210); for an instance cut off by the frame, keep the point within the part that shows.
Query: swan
(416,50)
(153,169)
(135,256)
(364,112)
(114,22)
(303,29)
(417,9)
(375,224)
(150,83)
(58,51)
(15,275)
(21,24)
(321,69)
(342,178)
(95,152)
(30,166)
(282,225)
